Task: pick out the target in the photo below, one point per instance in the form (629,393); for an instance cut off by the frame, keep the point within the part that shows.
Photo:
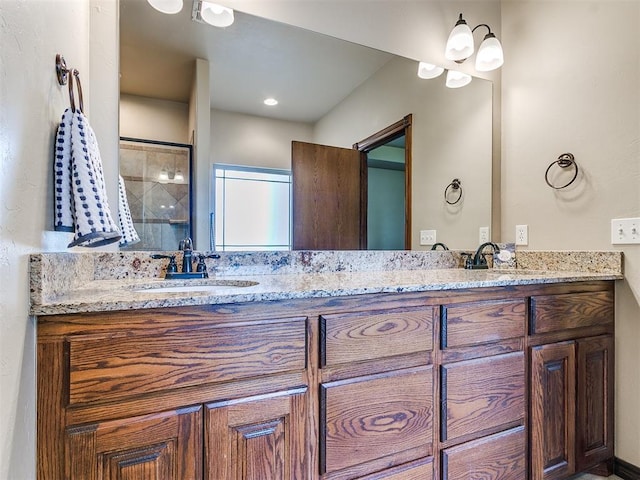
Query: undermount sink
(202,286)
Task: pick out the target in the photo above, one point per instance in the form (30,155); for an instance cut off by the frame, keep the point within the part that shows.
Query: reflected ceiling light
(178,177)
(427,70)
(166,6)
(270,102)
(215,14)
(457,79)
(460,47)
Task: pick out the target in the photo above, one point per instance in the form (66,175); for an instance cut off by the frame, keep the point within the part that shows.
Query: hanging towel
(129,234)
(80,195)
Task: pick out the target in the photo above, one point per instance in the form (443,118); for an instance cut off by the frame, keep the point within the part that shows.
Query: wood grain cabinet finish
(594,437)
(482,394)
(257,438)
(553,411)
(163,446)
(355,337)
(439,385)
(368,418)
(501,456)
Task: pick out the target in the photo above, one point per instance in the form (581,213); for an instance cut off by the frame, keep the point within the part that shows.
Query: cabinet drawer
(482,394)
(498,457)
(367,418)
(482,322)
(110,367)
(419,470)
(353,337)
(550,313)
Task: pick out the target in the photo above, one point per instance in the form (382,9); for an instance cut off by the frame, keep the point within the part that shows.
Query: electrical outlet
(625,231)
(427,237)
(484,235)
(522,235)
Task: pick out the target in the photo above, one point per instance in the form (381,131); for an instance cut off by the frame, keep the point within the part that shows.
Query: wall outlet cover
(522,235)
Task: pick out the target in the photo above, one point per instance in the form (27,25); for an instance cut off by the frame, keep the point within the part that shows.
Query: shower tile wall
(160,209)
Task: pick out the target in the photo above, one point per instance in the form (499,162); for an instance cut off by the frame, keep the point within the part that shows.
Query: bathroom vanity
(489,376)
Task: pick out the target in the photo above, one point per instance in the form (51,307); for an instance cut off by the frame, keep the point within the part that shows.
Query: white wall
(571,83)
(239,139)
(153,119)
(31,104)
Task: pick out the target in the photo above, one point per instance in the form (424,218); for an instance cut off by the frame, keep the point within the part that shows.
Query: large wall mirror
(330,92)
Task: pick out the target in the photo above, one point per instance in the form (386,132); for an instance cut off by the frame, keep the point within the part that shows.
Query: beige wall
(153,119)
(238,139)
(451,134)
(571,82)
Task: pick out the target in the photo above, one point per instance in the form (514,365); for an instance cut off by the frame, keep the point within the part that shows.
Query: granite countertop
(137,293)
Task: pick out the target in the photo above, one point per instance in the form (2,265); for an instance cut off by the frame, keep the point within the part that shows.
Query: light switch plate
(625,231)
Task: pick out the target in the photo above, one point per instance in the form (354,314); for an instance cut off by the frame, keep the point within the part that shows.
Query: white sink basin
(203,286)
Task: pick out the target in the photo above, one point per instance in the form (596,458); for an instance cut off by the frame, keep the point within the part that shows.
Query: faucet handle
(172,267)
(202,266)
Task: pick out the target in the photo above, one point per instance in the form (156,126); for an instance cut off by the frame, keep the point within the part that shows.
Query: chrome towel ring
(452,188)
(565,160)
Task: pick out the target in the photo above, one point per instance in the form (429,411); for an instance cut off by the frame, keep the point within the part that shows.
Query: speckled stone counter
(91,282)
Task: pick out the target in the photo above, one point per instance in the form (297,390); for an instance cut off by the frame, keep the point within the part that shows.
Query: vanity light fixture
(428,70)
(460,47)
(178,177)
(270,102)
(457,79)
(166,6)
(212,13)
(163,176)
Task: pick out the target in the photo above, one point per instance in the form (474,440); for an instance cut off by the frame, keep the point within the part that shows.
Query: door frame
(399,128)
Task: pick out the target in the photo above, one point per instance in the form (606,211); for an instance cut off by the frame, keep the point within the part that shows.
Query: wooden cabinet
(163,446)
(571,384)
(494,383)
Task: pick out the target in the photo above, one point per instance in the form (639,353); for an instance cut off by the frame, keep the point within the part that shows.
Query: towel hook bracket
(61,70)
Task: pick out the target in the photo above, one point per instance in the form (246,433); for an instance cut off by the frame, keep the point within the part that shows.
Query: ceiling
(308,73)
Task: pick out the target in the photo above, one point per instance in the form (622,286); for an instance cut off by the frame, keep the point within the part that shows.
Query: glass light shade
(163,176)
(166,6)
(460,42)
(427,70)
(179,177)
(490,54)
(216,15)
(270,102)
(457,79)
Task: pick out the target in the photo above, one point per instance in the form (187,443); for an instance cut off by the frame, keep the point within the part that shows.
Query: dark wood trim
(401,127)
(626,470)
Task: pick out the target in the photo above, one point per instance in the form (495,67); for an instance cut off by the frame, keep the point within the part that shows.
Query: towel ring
(454,186)
(565,160)
(62,72)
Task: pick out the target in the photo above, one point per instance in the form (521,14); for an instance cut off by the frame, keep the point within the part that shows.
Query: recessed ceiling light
(271,102)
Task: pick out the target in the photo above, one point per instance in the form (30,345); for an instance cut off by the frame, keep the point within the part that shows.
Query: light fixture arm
(482,25)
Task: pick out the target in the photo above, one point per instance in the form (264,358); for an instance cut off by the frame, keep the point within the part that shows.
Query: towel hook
(565,160)
(454,186)
(65,76)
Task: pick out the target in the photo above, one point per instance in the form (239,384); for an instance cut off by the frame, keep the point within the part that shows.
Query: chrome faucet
(479,260)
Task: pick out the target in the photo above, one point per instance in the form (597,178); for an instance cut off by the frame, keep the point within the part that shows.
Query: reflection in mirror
(157,183)
(330,92)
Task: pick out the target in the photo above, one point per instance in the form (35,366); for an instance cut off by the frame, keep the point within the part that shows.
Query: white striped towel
(129,234)
(80,195)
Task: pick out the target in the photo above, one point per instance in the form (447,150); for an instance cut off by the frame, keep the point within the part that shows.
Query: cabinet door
(381,419)
(257,438)
(501,456)
(594,438)
(553,411)
(164,446)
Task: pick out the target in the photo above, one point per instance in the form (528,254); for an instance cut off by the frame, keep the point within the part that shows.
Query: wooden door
(326,197)
(163,446)
(553,393)
(257,438)
(594,438)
